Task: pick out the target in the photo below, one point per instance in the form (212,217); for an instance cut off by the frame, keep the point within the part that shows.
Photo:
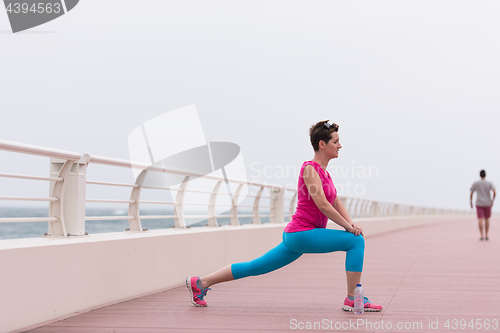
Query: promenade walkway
(425,278)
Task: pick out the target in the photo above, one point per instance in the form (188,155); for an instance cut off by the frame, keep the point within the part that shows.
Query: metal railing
(68,199)
(179,203)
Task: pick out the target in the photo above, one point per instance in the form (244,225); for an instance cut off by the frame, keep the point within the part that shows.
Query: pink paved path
(419,275)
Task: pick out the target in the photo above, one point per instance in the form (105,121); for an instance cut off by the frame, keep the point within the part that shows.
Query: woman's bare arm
(315,189)
(337,204)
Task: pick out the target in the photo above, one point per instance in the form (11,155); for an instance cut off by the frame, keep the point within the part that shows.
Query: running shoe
(369,306)
(197,294)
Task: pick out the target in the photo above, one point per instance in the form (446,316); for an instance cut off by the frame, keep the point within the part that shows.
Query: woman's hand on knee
(356,229)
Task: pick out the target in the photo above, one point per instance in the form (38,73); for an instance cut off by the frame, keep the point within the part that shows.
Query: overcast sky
(412,84)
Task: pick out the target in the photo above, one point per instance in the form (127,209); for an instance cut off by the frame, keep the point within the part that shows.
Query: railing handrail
(138,165)
(38,150)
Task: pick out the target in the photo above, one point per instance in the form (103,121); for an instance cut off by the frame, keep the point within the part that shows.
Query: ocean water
(14,230)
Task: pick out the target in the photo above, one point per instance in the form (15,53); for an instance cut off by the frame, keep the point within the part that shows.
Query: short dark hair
(482,174)
(321,131)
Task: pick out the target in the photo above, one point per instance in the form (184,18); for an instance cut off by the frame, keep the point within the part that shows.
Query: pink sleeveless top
(307,215)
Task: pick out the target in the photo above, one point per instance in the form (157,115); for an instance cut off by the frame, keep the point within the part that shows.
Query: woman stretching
(306,233)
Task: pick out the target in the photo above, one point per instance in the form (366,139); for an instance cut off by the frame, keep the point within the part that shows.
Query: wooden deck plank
(419,275)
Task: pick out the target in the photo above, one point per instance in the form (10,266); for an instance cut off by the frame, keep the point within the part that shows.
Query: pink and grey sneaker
(369,306)
(197,293)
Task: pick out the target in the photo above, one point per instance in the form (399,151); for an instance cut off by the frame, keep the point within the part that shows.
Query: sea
(16,230)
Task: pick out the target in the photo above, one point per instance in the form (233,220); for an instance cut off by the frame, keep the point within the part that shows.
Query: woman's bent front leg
(321,240)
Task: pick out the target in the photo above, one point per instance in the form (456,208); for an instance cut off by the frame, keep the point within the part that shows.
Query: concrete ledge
(47,279)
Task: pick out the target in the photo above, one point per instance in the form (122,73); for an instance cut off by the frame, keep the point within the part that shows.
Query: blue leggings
(294,244)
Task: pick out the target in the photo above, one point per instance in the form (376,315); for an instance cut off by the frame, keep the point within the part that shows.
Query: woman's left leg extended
(273,259)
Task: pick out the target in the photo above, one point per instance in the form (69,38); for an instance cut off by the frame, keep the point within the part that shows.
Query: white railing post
(133,208)
(395,210)
(71,192)
(343,200)
(355,212)
(362,208)
(375,208)
(179,204)
(212,219)
(277,210)
(255,210)
(349,206)
(365,209)
(234,206)
(387,209)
